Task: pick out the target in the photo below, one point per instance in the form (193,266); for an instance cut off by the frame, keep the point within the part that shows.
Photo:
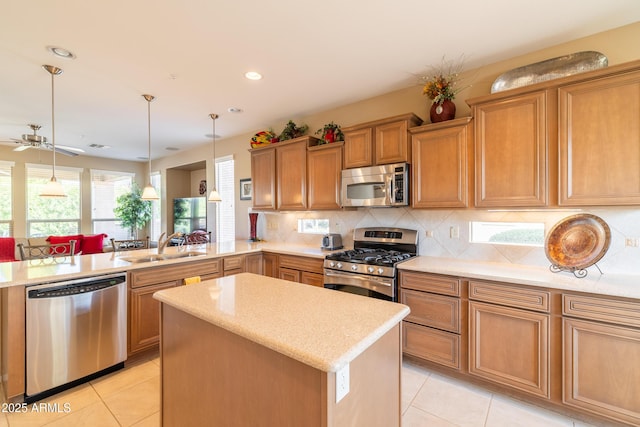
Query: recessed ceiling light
(61,52)
(210,135)
(253,75)
(142,158)
(234,110)
(172,148)
(105,147)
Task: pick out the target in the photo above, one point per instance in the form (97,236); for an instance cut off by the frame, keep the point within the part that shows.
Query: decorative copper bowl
(577,242)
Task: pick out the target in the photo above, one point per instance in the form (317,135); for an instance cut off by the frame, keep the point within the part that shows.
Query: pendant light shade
(53,188)
(149,193)
(214,196)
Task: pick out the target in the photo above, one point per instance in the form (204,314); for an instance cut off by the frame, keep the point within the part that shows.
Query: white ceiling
(192,55)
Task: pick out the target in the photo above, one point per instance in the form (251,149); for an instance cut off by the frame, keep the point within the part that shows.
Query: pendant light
(53,188)
(214,196)
(149,193)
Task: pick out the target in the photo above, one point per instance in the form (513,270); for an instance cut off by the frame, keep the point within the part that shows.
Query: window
(508,233)
(225,210)
(313,226)
(156,216)
(106,187)
(52,216)
(6,207)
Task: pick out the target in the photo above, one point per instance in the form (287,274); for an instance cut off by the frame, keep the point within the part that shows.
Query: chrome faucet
(163,243)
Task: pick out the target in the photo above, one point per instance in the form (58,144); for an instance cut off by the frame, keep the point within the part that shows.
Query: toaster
(332,241)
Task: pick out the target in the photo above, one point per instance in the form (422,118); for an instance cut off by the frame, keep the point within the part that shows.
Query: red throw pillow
(65,239)
(92,244)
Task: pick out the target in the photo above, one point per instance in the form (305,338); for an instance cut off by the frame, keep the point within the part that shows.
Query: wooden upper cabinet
(440,164)
(379,142)
(511,139)
(324,163)
(291,175)
(599,141)
(263,177)
(358,148)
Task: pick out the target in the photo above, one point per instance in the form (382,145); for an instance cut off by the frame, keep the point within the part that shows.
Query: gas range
(370,267)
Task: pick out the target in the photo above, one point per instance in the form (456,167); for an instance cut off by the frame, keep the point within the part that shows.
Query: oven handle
(330,273)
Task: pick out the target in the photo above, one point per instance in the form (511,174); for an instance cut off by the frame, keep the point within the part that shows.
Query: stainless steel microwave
(376,186)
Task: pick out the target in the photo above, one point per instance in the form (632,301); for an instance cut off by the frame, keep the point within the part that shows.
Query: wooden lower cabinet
(144,311)
(431,344)
(270,264)
(601,356)
(510,346)
(253,263)
(144,315)
(307,270)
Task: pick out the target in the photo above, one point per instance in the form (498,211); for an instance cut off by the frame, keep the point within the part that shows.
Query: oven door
(361,284)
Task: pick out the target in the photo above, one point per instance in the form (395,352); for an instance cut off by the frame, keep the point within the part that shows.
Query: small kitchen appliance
(370,268)
(332,241)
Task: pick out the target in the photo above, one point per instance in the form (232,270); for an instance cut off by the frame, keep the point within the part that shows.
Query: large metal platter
(577,242)
(550,69)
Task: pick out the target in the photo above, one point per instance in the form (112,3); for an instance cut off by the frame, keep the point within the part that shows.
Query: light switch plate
(342,382)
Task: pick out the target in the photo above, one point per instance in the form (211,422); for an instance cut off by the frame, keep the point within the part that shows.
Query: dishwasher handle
(68,289)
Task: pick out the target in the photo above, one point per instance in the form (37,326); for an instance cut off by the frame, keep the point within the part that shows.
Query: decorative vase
(330,136)
(446,110)
(253,222)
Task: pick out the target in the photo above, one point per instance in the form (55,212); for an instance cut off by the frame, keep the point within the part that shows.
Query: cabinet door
(313,279)
(601,369)
(291,165)
(392,143)
(440,166)
(599,131)
(511,138)
(253,264)
(263,178)
(270,264)
(358,148)
(289,274)
(510,347)
(144,317)
(325,176)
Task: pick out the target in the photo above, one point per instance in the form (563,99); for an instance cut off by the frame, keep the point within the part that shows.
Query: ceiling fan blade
(22,148)
(66,147)
(65,152)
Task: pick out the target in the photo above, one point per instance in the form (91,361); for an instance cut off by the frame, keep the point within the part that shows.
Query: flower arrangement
(330,132)
(441,82)
(291,130)
(263,138)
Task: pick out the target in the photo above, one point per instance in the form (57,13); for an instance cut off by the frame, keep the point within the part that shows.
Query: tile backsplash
(620,258)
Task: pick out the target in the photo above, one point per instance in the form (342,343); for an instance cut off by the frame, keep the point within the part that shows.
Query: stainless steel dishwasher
(75,331)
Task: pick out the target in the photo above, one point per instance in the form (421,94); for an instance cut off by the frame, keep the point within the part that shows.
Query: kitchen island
(263,351)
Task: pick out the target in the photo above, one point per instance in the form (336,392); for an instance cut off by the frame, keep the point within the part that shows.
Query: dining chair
(130,244)
(52,250)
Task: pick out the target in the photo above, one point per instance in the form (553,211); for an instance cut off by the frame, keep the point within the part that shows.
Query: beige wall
(619,45)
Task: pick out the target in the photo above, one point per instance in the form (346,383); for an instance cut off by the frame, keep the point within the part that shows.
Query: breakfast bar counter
(263,351)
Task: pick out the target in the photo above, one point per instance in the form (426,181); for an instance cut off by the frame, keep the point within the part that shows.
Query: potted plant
(291,130)
(132,211)
(329,133)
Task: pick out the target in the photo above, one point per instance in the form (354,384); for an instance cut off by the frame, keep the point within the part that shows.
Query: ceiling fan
(33,140)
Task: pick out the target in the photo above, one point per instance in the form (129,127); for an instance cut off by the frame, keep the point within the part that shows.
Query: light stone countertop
(69,268)
(322,328)
(596,283)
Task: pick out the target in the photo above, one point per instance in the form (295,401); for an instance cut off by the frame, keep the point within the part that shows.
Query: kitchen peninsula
(263,351)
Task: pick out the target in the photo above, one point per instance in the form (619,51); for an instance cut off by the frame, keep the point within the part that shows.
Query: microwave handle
(389,196)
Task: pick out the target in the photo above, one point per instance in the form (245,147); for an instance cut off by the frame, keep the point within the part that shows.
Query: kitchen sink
(160,257)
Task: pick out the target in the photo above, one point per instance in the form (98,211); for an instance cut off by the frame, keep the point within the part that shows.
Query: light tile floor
(131,397)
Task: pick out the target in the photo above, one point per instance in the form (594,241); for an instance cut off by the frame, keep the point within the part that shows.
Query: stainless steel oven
(370,268)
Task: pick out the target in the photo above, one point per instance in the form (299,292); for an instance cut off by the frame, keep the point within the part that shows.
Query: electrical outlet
(429,233)
(272,225)
(632,242)
(454,232)
(342,383)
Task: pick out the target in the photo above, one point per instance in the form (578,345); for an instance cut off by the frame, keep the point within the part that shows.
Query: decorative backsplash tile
(620,259)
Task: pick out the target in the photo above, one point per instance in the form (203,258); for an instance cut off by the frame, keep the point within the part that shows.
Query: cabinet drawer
(432,310)
(431,344)
(312,265)
(431,283)
(510,295)
(602,309)
(233,262)
(153,275)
